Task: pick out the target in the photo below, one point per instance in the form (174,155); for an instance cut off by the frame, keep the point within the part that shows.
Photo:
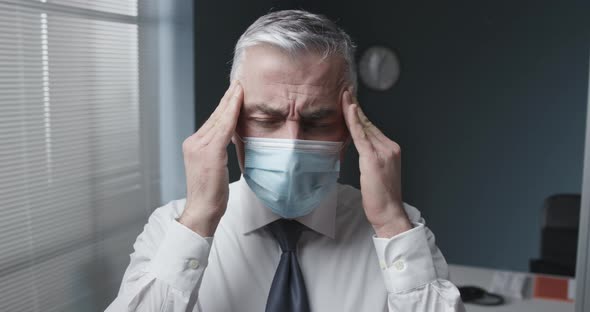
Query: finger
(227,122)
(219,111)
(371,129)
(222,105)
(346,102)
(359,137)
(381,143)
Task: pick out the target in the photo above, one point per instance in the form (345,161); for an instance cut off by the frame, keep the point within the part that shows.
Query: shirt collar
(255,215)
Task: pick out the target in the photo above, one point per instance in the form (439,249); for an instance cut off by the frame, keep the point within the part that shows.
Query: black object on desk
(477,295)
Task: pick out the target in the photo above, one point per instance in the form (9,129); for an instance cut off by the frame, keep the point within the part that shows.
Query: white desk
(474,276)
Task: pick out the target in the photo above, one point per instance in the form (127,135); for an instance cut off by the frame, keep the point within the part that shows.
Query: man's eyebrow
(266,109)
(318,114)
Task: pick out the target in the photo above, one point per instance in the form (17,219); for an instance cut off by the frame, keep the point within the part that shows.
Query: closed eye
(267,123)
(317,125)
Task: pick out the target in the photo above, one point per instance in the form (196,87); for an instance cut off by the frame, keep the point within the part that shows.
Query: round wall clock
(379,68)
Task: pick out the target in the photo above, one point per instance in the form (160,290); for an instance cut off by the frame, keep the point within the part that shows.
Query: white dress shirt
(345,266)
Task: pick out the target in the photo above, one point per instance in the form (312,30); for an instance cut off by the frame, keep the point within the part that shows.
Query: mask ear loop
(236,135)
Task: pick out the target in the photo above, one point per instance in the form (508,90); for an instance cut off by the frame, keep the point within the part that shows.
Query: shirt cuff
(405,260)
(182,257)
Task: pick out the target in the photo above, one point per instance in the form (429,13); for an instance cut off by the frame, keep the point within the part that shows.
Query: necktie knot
(287,233)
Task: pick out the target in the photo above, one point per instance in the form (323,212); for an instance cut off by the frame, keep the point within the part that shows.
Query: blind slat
(70,165)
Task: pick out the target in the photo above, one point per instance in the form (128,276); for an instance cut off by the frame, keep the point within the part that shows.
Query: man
(286,236)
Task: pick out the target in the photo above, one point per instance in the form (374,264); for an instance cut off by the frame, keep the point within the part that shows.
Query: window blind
(74,188)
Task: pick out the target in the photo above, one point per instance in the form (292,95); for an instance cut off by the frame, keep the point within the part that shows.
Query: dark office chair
(559,236)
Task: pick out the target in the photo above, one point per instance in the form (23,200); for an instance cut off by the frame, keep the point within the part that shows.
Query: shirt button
(193,264)
(399,265)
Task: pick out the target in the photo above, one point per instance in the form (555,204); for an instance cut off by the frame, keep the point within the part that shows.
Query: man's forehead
(302,72)
(273,78)
(271,103)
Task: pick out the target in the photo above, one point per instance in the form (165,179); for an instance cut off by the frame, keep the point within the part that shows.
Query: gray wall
(489,110)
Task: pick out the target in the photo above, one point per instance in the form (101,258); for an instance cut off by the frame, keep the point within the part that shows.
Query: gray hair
(295,31)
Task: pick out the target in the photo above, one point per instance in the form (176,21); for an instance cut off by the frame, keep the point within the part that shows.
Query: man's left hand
(380,167)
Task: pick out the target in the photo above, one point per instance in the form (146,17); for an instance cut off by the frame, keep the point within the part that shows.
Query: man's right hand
(205,163)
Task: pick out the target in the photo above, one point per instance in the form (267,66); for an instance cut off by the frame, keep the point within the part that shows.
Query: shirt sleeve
(166,267)
(415,273)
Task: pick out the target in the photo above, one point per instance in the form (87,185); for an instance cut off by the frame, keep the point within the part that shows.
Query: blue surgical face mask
(291,177)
